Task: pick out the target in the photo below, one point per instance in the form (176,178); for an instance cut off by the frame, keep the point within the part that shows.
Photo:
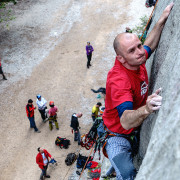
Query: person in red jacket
(30,114)
(43,161)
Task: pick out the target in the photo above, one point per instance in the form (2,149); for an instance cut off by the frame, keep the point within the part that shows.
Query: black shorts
(1,72)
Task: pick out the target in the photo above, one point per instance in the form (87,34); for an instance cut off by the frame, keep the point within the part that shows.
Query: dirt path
(62,77)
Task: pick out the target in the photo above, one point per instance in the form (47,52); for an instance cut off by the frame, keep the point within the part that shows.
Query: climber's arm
(134,118)
(154,36)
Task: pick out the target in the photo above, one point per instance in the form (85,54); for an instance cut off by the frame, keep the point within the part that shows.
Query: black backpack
(70,159)
(62,142)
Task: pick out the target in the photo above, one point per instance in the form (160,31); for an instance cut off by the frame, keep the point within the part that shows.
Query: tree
(5,13)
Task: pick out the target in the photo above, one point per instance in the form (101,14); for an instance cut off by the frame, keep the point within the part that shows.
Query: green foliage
(139,29)
(5,13)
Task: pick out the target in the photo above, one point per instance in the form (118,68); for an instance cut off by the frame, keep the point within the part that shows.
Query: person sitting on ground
(75,126)
(30,114)
(41,102)
(127,102)
(95,111)
(42,159)
(1,71)
(53,115)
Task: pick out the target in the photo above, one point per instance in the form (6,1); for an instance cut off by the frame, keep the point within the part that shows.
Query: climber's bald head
(129,50)
(122,41)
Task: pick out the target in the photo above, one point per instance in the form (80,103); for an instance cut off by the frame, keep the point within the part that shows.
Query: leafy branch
(5,13)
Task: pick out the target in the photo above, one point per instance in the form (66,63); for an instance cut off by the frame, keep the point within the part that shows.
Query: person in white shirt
(41,103)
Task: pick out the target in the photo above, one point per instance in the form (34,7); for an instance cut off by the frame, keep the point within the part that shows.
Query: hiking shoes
(37,131)
(108,176)
(47,176)
(104,176)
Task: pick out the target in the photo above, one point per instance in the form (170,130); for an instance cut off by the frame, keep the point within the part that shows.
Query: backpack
(81,161)
(70,159)
(62,142)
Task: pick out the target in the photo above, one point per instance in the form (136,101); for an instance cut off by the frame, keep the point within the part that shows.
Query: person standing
(41,102)
(30,114)
(127,102)
(89,50)
(42,159)
(75,127)
(1,71)
(53,115)
(95,111)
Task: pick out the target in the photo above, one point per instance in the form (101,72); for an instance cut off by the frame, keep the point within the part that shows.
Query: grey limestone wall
(160,133)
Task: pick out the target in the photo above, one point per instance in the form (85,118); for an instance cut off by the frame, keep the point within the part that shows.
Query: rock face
(160,133)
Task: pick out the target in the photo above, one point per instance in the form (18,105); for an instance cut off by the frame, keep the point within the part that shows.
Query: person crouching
(53,115)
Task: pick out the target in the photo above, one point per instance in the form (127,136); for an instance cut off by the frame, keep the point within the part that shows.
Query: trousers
(51,120)
(120,155)
(77,136)
(89,59)
(43,173)
(43,114)
(32,123)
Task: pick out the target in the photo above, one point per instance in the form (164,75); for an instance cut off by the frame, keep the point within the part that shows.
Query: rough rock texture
(160,133)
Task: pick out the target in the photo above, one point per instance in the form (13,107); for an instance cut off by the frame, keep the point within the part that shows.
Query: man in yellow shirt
(95,111)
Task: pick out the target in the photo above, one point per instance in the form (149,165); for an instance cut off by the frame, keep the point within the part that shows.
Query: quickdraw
(87,142)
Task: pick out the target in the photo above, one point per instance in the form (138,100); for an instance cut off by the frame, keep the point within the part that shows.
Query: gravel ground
(44,52)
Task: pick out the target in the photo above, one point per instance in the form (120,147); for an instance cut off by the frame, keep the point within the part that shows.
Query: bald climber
(127,102)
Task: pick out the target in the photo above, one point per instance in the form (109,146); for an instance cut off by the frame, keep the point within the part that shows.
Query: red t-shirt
(53,110)
(124,85)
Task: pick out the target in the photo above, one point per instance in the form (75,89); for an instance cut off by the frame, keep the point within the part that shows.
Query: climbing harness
(133,138)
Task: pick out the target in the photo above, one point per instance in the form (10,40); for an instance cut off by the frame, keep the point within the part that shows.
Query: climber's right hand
(154,102)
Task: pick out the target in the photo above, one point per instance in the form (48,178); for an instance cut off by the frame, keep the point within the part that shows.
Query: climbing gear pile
(89,139)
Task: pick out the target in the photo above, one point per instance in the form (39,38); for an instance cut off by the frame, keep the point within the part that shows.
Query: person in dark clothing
(30,114)
(150,3)
(75,126)
(101,89)
(1,71)
(89,50)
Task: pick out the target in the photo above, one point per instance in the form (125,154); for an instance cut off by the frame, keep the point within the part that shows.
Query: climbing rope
(148,20)
(87,159)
